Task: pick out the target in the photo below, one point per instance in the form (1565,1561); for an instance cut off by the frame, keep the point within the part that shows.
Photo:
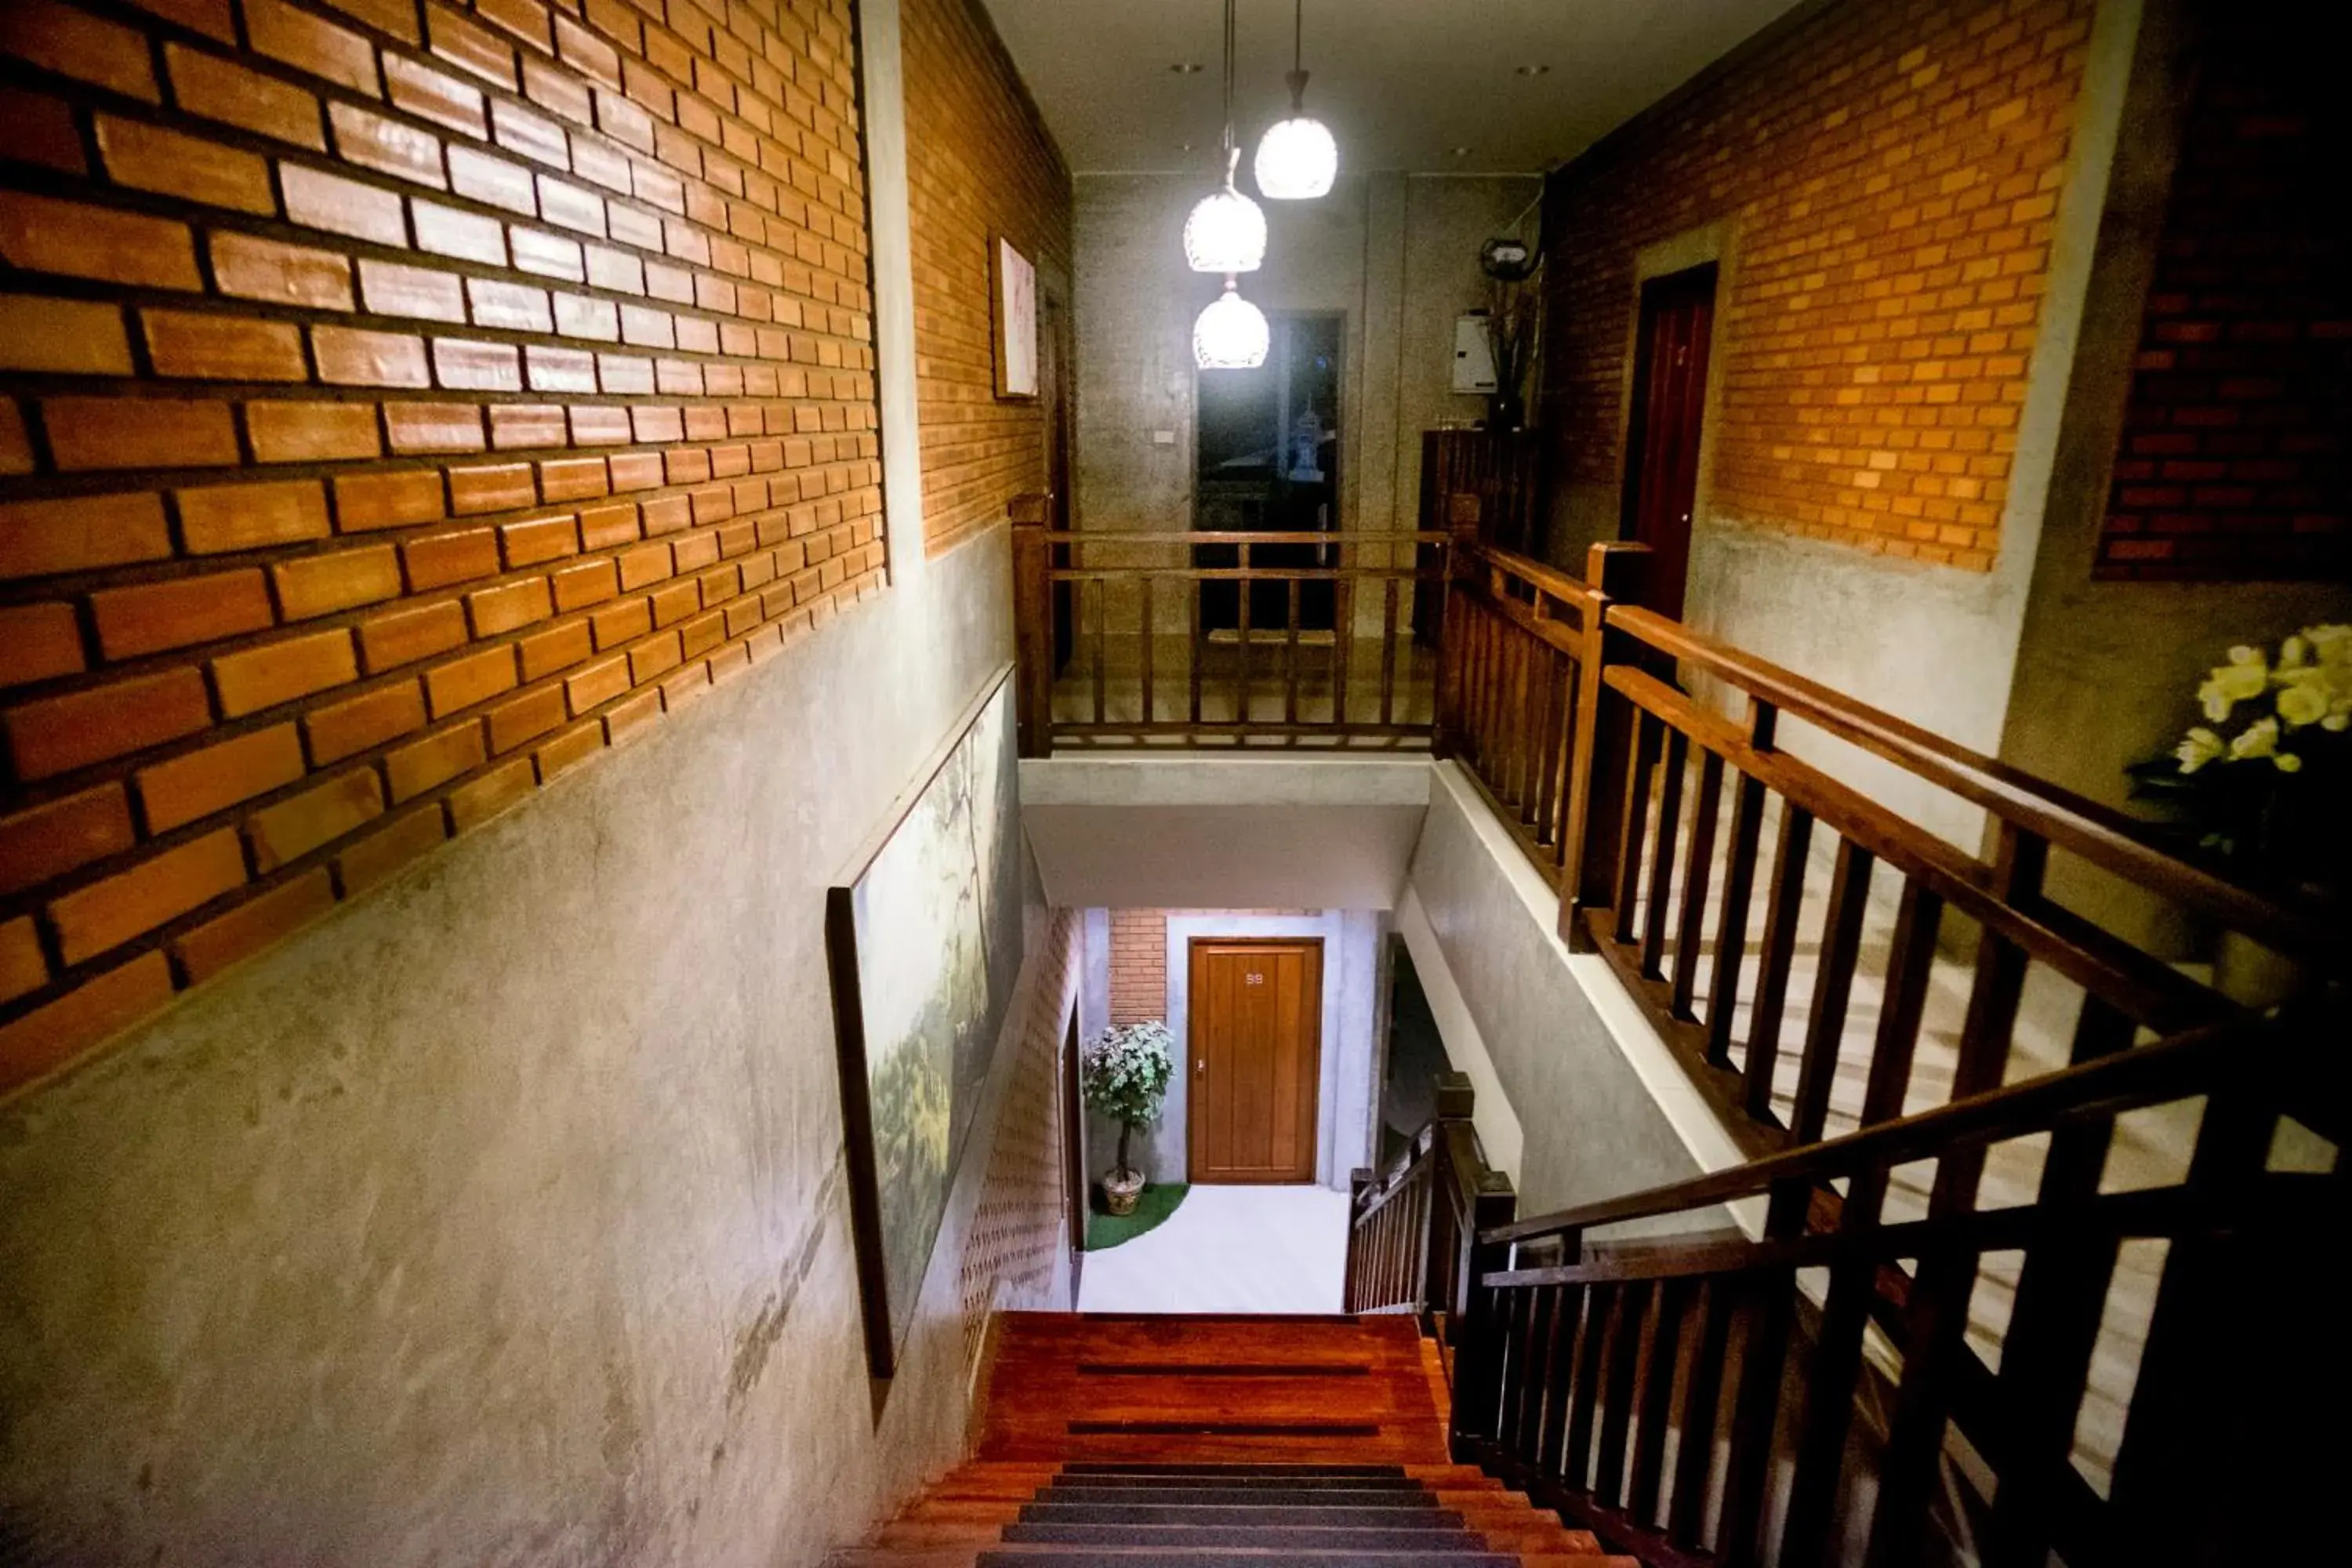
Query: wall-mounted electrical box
(1473,354)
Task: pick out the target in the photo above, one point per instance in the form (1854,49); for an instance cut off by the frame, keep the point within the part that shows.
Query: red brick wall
(2233,455)
(398,404)
(979,163)
(1889,171)
(1019,1226)
(1138,965)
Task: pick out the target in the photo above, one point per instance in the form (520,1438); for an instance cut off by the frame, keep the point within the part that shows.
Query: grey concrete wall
(1397,254)
(500,1217)
(1591,1127)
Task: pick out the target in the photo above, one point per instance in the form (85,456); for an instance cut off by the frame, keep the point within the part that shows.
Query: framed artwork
(1014,307)
(923,941)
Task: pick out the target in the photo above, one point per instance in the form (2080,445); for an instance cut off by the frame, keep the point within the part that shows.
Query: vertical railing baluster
(1841,950)
(1695,879)
(1245,583)
(1143,656)
(1662,853)
(1783,908)
(1290,661)
(1634,823)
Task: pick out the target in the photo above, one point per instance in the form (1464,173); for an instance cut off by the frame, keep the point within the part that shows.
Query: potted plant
(1124,1075)
(2257,790)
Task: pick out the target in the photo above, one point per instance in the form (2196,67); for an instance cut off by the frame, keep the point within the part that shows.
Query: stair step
(1232,1482)
(1121,1468)
(1179,1513)
(1316,1537)
(1269,1493)
(1149,1557)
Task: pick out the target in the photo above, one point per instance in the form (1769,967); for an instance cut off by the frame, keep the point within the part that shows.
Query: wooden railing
(1669,1395)
(1799,945)
(1234,638)
(1411,1227)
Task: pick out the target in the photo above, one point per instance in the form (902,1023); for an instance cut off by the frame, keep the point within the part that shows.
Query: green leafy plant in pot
(1124,1075)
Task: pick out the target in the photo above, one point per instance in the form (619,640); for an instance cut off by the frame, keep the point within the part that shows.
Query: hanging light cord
(1231,148)
(1297,78)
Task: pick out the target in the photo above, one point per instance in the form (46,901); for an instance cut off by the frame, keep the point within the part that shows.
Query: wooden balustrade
(1677,1396)
(1188,637)
(1410,1229)
(1793,940)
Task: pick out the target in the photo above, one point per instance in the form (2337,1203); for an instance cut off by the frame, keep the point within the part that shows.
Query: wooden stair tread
(1134,1441)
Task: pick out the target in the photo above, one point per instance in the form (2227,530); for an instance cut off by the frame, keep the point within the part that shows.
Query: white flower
(2246,653)
(2303,702)
(2288,763)
(2197,748)
(2240,680)
(2331,642)
(2215,701)
(2259,739)
(2294,652)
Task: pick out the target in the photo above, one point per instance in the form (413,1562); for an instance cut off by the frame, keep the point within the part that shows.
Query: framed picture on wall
(1015,297)
(923,944)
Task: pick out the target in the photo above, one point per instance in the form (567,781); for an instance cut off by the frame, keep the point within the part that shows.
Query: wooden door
(1662,438)
(1256,1058)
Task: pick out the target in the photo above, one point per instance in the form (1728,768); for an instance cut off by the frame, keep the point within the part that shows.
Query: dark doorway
(1416,1055)
(1663,436)
(1269,462)
(1073,1155)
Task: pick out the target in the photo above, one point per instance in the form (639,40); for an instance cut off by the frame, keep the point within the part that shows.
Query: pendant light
(1297,158)
(1226,232)
(1231,334)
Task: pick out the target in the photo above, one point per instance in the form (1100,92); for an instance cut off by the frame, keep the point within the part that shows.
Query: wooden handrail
(1564,1345)
(1409,1229)
(2168,1069)
(2098,833)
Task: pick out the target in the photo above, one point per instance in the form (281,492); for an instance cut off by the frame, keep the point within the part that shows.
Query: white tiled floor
(1229,1249)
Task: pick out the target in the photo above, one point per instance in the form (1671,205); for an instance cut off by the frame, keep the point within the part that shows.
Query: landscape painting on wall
(925,947)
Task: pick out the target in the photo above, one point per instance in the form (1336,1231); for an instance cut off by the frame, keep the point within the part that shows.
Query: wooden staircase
(1219,1442)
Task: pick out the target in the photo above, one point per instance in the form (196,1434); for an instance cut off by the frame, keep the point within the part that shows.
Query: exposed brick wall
(1018,1231)
(979,163)
(1889,171)
(2233,459)
(1138,965)
(398,404)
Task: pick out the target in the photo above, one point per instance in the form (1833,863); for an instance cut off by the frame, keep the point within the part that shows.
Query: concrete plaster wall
(1396,254)
(1600,1108)
(500,1217)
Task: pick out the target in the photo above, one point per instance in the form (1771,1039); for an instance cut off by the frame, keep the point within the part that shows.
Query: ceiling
(1428,86)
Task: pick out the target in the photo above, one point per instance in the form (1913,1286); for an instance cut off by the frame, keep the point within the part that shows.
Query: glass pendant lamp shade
(1231,334)
(1296,159)
(1226,232)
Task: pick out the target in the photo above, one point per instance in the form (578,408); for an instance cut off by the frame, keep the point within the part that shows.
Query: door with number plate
(1257,1018)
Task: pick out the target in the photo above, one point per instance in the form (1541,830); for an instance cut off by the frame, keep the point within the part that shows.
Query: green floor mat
(1158,1201)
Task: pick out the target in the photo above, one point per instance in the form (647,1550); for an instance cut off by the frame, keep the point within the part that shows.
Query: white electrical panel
(1473,354)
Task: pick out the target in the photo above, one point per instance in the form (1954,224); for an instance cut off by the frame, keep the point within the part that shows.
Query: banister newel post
(1033,624)
(1462,528)
(1359,1181)
(1615,572)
